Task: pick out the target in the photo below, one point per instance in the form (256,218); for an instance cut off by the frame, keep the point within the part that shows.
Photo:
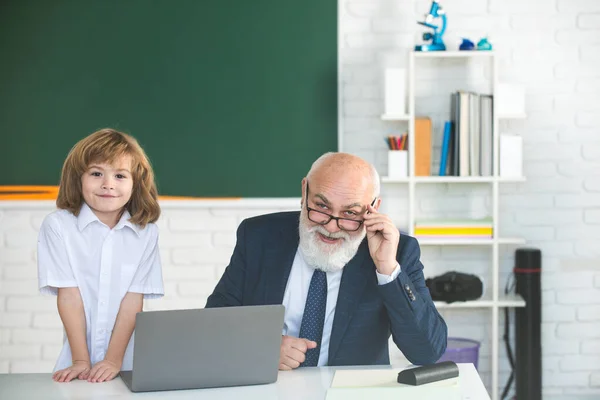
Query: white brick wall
(557,209)
(552,47)
(196,242)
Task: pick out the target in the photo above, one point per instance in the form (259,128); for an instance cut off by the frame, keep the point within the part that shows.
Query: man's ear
(302,190)
(378,203)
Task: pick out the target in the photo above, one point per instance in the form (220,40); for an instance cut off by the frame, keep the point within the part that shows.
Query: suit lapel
(354,278)
(280,257)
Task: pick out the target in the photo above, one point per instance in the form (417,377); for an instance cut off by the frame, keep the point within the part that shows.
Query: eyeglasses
(321,218)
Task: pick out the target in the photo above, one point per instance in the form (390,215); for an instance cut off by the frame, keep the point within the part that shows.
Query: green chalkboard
(229,98)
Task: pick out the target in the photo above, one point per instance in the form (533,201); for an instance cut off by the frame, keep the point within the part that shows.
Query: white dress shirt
(104,264)
(296,292)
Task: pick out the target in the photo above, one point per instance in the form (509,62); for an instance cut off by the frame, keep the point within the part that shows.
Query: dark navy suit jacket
(366,313)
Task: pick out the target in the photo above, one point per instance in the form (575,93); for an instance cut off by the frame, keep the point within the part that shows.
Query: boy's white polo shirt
(105,264)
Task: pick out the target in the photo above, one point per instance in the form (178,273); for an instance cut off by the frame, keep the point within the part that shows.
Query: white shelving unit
(451,179)
(510,300)
(493,299)
(469,242)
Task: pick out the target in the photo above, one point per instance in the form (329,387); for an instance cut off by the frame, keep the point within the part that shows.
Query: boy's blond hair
(106,146)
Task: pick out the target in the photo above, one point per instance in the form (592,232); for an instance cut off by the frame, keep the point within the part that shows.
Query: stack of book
(454,228)
(467,144)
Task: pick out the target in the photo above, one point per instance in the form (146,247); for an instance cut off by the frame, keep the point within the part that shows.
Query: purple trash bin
(462,350)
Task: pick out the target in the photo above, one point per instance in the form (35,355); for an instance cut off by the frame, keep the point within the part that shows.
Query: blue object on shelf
(466,45)
(483,44)
(445,147)
(437,44)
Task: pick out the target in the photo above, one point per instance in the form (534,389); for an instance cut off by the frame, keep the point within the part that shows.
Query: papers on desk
(382,384)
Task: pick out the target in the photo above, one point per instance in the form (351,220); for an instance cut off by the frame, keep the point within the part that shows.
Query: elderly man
(345,275)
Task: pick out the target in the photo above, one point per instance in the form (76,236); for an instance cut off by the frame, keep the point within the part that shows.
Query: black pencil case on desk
(428,373)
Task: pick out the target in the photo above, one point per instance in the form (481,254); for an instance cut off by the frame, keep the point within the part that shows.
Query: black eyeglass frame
(330,217)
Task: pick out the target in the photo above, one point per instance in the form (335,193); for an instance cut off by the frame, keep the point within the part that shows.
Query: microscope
(437,44)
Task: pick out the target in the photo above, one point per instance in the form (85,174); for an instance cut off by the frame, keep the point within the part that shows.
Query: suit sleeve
(418,329)
(229,291)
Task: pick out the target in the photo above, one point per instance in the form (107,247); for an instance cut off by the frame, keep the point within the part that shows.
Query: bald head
(346,168)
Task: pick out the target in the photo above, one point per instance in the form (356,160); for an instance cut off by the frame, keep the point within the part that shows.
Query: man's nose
(332,226)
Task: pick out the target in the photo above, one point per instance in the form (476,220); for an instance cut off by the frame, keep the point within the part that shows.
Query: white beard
(323,256)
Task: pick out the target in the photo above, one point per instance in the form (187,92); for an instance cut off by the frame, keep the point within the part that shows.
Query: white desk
(303,383)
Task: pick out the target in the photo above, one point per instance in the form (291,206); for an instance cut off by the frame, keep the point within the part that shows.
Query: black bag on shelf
(455,286)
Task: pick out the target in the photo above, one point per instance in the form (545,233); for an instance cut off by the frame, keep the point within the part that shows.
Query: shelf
(454,58)
(388,117)
(453,54)
(452,179)
(511,300)
(467,242)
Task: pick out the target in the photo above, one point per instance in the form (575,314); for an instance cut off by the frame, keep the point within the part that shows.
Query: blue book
(445,146)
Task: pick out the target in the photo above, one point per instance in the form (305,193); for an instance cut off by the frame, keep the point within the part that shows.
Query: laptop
(205,348)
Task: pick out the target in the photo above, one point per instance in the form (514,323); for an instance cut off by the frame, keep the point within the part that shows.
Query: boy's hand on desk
(104,371)
(79,369)
(293,352)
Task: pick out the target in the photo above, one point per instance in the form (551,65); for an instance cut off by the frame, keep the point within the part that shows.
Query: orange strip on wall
(21,192)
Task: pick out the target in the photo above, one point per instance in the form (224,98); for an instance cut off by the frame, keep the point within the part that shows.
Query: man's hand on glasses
(383,238)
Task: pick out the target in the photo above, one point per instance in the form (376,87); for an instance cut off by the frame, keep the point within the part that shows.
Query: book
(454,231)
(486,139)
(422,146)
(446,222)
(444,165)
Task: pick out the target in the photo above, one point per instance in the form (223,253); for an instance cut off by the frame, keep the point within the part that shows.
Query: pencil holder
(397,163)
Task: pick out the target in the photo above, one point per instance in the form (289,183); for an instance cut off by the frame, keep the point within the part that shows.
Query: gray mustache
(323,231)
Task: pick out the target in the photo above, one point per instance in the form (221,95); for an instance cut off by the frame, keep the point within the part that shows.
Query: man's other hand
(293,352)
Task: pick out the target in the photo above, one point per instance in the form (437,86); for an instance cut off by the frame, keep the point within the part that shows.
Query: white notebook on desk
(382,384)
